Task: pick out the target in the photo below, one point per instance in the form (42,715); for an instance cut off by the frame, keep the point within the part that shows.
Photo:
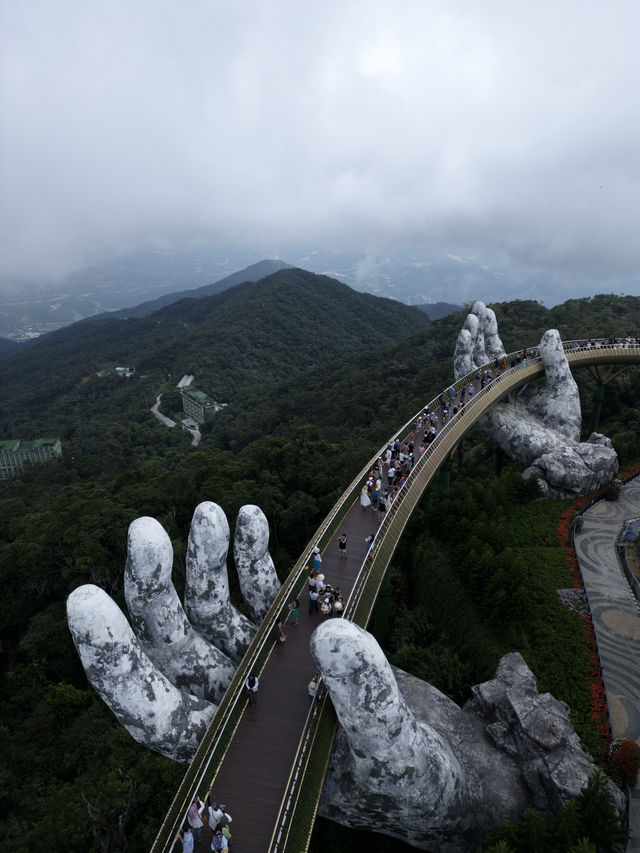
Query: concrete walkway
(616,619)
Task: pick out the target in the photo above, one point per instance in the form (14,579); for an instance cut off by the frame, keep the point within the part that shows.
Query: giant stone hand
(163,678)
(539,425)
(403,749)
(408,762)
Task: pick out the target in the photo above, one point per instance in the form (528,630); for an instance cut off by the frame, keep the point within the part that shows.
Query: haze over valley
(420,152)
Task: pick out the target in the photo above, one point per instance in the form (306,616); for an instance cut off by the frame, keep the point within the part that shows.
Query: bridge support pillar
(381,612)
(444,474)
(498,459)
(598,400)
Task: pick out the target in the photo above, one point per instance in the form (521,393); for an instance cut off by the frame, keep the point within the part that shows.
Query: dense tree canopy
(316,378)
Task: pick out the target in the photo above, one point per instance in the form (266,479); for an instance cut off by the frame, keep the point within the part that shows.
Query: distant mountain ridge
(126,285)
(263,331)
(254,272)
(437,310)
(7,347)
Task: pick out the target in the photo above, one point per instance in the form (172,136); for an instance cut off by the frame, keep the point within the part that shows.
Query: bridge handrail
(435,454)
(355,609)
(364,575)
(223,724)
(533,367)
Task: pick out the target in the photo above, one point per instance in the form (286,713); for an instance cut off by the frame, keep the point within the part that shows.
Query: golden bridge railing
(295,821)
(297,812)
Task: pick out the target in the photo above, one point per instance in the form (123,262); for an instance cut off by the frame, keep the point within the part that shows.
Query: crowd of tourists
(207,821)
(323,597)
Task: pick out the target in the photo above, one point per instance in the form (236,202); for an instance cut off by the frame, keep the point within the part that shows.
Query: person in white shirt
(251,688)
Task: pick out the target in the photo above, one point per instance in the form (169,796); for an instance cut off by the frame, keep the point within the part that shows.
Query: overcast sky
(498,127)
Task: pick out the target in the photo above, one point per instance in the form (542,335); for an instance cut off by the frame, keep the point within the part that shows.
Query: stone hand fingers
(257,575)
(382,731)
(158,618)
(478,342)
(557,402)
(145,701)
(160,674)
(206,598)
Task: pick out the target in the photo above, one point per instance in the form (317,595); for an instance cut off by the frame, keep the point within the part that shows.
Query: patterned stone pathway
(616,620)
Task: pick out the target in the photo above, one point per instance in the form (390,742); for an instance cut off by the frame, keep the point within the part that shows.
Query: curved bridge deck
(267,763)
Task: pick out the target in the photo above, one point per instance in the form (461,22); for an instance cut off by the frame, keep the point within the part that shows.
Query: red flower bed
(597,699)
(623,761)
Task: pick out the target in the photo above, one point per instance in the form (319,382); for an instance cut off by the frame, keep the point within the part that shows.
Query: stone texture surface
(539,425)
(148,705)
(387,763)
(158,618)
(582,468)
(408,762)
(206,598)
(161,677)
(259,582)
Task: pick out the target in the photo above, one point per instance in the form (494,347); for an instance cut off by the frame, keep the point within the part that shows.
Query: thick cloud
(492,126)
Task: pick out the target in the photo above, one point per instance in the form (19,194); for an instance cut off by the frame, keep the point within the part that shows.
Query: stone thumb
(554,358)
(153,711)
(391,751)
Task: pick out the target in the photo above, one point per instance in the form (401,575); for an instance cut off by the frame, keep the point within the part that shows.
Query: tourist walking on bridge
(313,688)
(294,608)
(365,500)
(193,817)
(342,546)
(281,637)
(187,840)
(317,559)
(313,600)
(219,841)
(251,689)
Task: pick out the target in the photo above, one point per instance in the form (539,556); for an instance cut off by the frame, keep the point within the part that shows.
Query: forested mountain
(316,376)
(254,272)
(247,335)
(437,310)
(376,384)
(7,347)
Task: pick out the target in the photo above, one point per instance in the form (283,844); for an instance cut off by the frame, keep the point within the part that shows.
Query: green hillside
(316,376)
(400,378)
(254,272)
(250,334)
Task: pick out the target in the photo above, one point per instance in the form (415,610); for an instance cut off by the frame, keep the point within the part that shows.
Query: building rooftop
(14,443)
(200,396)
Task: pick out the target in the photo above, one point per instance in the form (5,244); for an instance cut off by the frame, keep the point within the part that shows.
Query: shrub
(623,761)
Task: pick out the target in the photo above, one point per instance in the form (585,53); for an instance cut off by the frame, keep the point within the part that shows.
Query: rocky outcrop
(410,763)
(407,760)
(579,469)
(539,425)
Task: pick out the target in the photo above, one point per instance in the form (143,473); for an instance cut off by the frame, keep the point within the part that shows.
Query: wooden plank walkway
(253,776)
(254,773)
